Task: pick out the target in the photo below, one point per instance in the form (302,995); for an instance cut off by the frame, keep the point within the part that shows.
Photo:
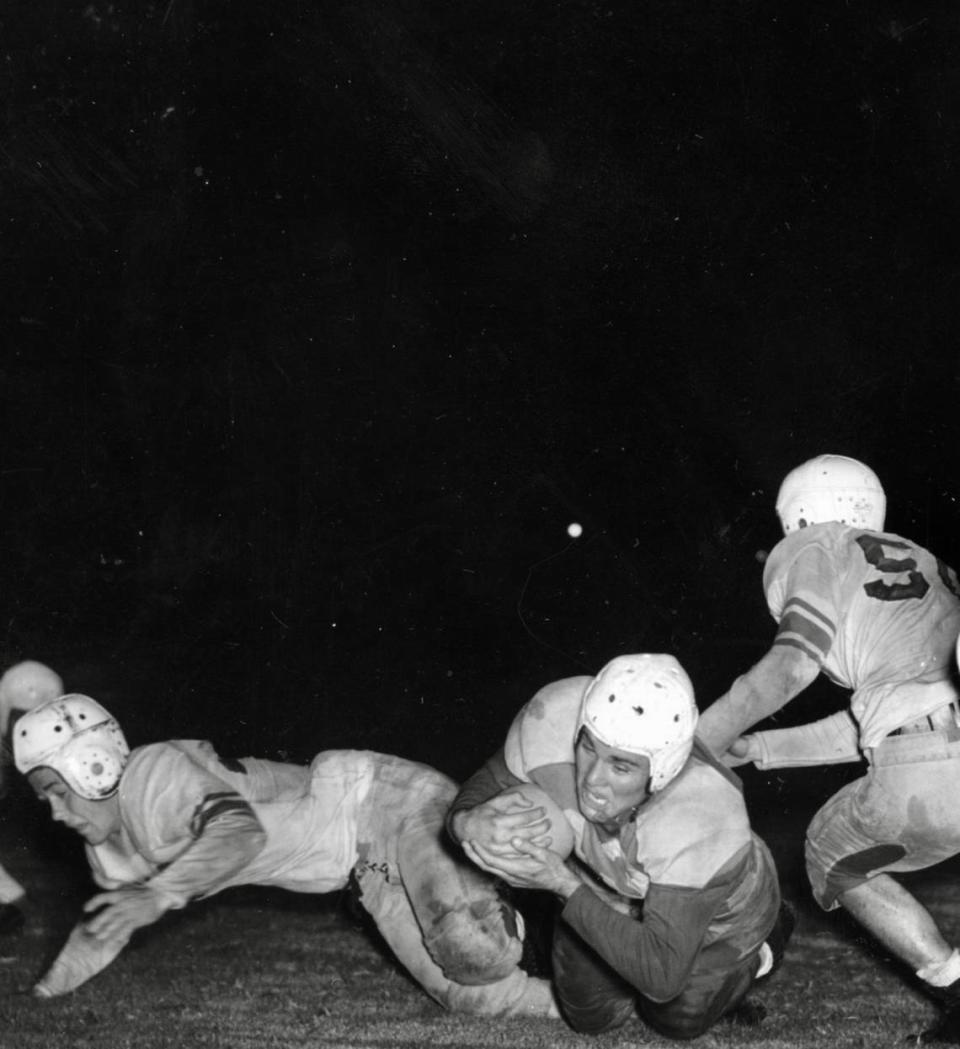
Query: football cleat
(946,1031)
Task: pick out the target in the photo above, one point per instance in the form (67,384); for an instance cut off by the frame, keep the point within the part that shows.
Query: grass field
(254,969)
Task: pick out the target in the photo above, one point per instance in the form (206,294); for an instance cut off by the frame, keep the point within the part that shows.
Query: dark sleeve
(487,781)
(654,953)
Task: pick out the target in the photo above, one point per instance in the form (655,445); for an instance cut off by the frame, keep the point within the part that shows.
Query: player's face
(611,783)
(95,821)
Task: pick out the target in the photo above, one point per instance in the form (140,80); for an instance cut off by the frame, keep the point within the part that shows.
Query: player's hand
(525,865)
(742,750)
(499,820)
(118,914)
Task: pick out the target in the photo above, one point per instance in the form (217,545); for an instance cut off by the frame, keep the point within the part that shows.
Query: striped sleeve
(190,825)
(808,628)
(808,602)
(216,805)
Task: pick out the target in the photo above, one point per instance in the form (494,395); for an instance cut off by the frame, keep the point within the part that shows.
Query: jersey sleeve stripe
(795,625)
(795,642)
(215,806)
(810,612)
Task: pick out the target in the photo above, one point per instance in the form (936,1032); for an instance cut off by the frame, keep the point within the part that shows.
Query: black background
(323,321)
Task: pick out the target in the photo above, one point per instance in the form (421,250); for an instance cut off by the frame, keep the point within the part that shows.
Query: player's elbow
(794,668)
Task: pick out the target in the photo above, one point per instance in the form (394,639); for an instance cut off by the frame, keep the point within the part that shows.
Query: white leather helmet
(831,488)
(643,704)
(76,738)
(26,685)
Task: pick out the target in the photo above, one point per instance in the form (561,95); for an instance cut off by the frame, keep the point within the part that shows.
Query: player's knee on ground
(598,1015)
(674,1021)
(710,995)
(478,942)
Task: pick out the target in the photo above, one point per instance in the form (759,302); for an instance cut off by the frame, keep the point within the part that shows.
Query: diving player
(671,906)
(171,822)
(878,615)
(23,686)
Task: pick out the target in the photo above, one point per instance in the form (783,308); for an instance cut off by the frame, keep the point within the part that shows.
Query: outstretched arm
(229,836)
(784,672)
(829,741)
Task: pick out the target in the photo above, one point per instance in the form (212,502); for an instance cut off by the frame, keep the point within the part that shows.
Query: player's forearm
(82,957)
(487,781)
(830,741)
(763,690)
(226,845)
(655,953)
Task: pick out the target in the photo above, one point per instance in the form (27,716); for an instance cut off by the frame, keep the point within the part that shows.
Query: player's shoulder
(558,700)
(152,753)
(829,542)
(701,801)
(694,826)
(543,731)
(157,765)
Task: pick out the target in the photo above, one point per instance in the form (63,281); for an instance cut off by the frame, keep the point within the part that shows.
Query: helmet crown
(831,488)
(643,704)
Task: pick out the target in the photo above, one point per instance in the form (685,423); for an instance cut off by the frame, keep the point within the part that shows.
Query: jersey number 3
(875,551)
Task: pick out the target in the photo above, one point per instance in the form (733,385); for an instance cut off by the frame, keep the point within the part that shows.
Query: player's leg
(469,930)
(383,897)
(709,995)
(443,918)
(592,997)
(748,944)
(12,895)
(898,920)
(869,829)
(472,933)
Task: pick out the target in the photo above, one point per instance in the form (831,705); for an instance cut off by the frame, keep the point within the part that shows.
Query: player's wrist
(567,885)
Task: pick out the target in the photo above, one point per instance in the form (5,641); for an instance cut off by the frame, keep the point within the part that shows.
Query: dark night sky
(322,322)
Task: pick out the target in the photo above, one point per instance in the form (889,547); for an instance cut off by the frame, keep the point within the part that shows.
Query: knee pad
(476,943)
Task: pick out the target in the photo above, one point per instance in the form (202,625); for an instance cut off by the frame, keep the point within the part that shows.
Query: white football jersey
(874,610)
(170,791)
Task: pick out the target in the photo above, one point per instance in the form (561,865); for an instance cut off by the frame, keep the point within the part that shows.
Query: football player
(171,822)
(879,615)
(670,903)
(23,686)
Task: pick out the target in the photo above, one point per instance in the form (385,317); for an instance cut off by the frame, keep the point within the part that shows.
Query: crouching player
(171,822)
(671,905)
(23,686)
